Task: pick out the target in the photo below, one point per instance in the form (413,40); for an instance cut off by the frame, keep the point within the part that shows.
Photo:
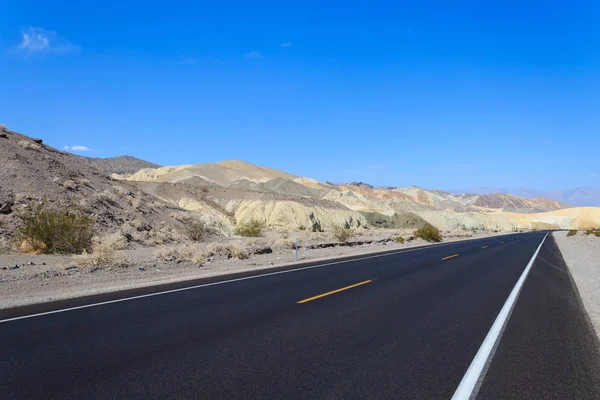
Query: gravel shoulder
(582,255)
(44,278)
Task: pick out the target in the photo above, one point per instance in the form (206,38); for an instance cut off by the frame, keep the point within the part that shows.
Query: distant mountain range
(584,196)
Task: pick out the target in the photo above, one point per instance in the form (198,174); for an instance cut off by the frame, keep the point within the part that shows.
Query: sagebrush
(572,232)
(105,253)
(342,233)
(429,233)
(59,230)
(196,229)
(252,228)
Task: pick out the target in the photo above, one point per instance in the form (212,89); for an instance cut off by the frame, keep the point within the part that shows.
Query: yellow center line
(484,247)
(334,291)
(452,256)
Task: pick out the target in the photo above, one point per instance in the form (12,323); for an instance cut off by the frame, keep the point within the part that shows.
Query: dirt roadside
(44,278)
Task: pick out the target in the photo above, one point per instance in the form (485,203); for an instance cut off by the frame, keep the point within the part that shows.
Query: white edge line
(468,387)
(227,281)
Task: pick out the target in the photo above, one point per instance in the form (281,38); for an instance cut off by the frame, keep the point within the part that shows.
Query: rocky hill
(149,207)
(121,165)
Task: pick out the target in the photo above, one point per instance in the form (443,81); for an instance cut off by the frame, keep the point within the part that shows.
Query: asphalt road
(398,326)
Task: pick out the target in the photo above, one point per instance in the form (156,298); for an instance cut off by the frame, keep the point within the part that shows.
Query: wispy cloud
(253,54)
(286,44)
(77,148)
(592,174)
(38,40)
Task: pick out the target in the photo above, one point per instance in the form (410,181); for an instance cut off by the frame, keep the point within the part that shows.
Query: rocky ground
(582,254)
(27,279)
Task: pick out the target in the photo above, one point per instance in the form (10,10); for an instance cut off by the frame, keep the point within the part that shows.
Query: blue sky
(436,94)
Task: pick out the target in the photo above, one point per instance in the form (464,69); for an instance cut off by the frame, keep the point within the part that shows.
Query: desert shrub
(252,228)
(2,127)
(196,229)
(342,233)
(572,232)
(399,239)
(105,196)
(180,253)
(429,233)
(69,184)
(105,253)
(26,144)
(238,252)
(284,243)
(63,231)
(84,181)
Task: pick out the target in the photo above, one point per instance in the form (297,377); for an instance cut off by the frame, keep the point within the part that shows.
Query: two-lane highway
(402,325)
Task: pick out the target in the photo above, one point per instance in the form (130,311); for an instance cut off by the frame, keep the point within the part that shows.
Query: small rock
(30,263)
(37,140)
(14,267)
(43,263)
(3,268)
(71,267)
(110,268)
(142,269)
(3,135)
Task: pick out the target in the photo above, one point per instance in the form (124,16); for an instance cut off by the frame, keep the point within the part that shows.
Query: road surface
(406,325)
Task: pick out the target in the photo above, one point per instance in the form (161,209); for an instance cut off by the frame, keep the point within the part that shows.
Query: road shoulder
(582,255)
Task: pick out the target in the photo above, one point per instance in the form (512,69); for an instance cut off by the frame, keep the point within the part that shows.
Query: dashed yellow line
(485,247)
(334,291)
(452,256)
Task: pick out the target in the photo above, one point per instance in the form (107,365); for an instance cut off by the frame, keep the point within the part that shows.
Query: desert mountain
(584,196)
(149,207)
(357,196)
(122,165)
(220,173)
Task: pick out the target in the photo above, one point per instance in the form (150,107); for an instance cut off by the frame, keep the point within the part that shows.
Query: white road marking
(231,280)
(470,383)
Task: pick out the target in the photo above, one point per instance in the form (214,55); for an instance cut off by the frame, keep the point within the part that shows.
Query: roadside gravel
(582,255)
(40,279)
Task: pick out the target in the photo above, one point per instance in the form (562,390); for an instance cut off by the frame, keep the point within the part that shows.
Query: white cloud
(253,54)
(77,148)
(286,44)
(38,40)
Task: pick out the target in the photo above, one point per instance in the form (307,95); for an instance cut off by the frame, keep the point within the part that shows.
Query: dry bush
(284,244)
(105,196)
(26,144)
(342,234)
(196,229)
(105,253)
(252,228)
(238,252)
(85,182)
(69,184)
(572,232)
(63,231)
(400,240)
(120,191)
(135,202)
(180,253)
(226,250)
(429,233)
